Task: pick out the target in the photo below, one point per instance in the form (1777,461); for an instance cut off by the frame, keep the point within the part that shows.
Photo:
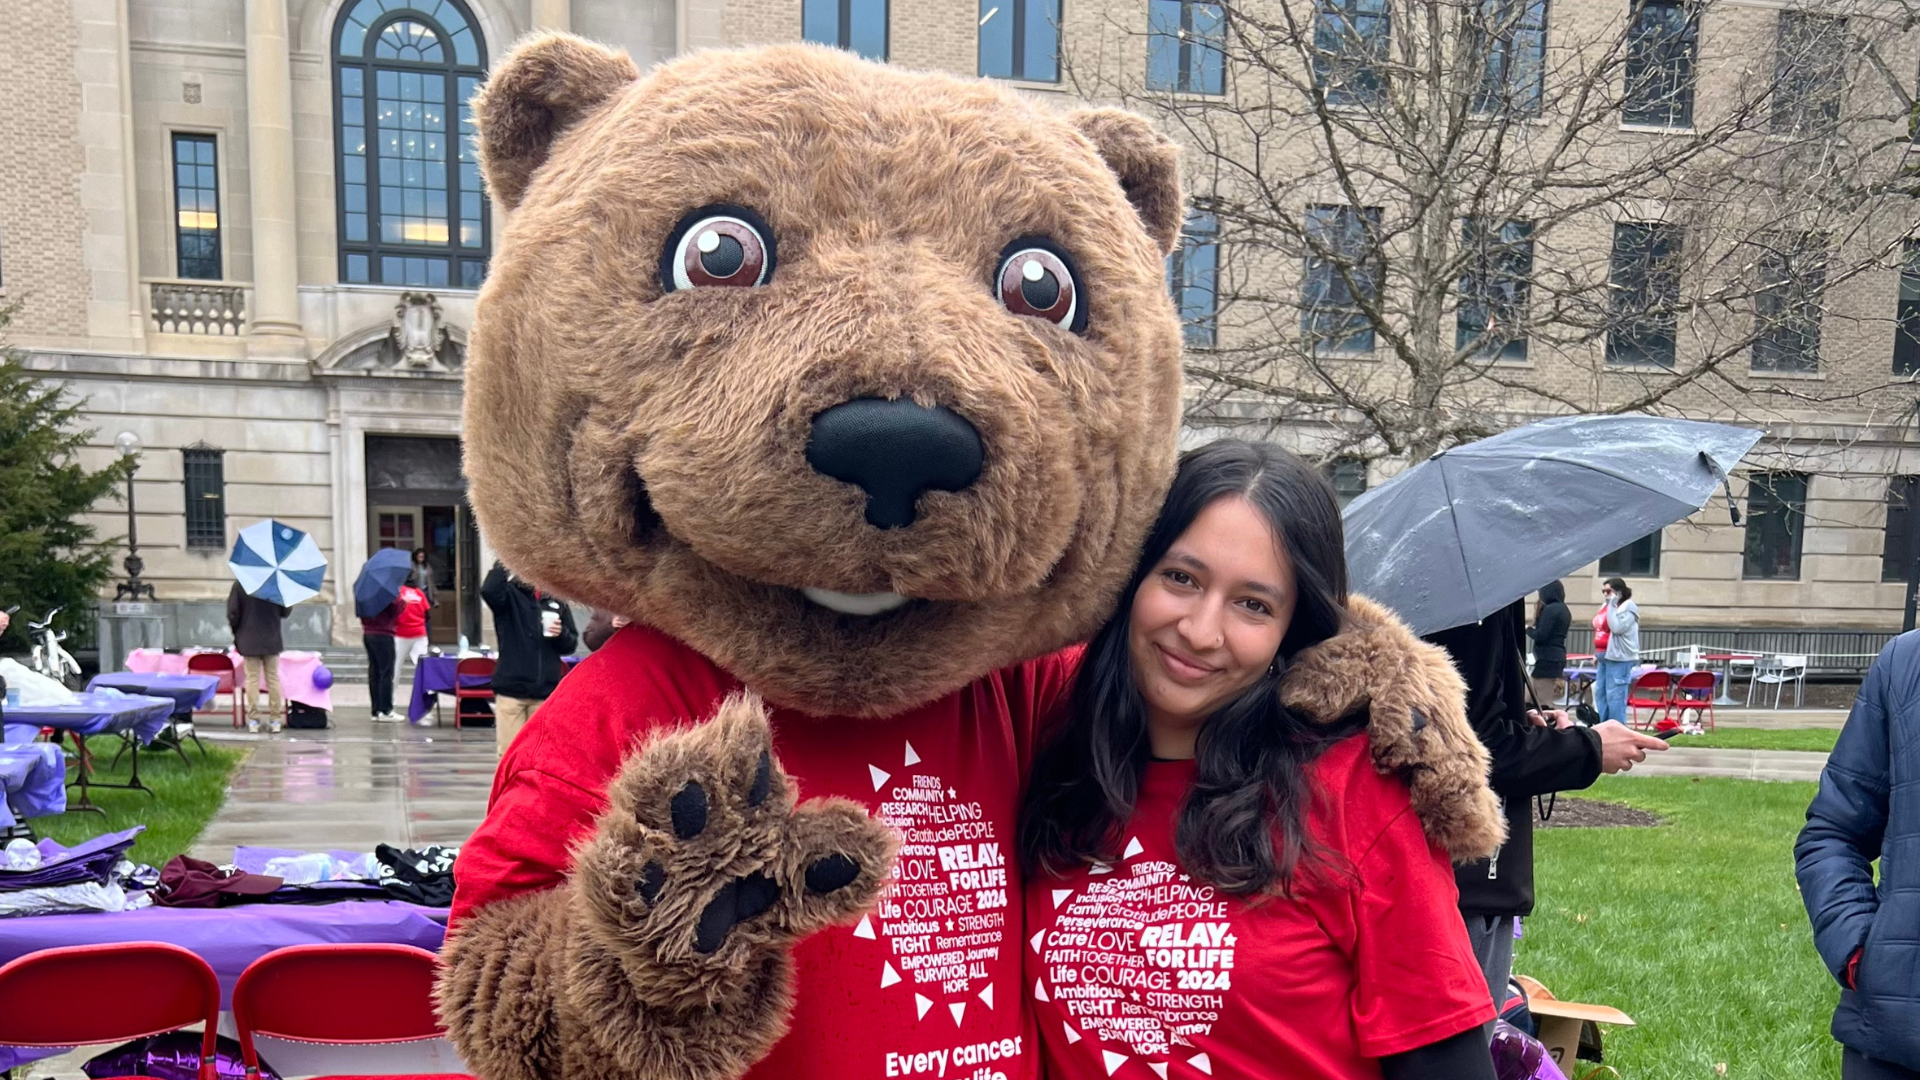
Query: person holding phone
(535,630)
(1616,647)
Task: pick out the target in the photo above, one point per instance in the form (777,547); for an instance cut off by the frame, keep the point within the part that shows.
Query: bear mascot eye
(717,245)
(1036,277)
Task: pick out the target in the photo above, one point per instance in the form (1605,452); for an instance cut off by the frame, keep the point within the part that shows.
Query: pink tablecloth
(296,672)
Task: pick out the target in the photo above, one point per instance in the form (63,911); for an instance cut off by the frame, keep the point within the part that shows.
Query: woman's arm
(1464,1056)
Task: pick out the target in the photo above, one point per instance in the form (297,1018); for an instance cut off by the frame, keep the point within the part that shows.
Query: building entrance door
(417,500)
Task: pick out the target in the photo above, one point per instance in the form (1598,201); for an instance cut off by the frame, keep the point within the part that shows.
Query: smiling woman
(1181,796)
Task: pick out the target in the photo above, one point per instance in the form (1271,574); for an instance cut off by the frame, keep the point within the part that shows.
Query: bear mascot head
(862,382)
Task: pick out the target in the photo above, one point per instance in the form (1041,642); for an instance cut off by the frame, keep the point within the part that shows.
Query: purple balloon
(322,677)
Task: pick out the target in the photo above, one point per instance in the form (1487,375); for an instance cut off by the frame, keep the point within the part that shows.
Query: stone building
(250,231)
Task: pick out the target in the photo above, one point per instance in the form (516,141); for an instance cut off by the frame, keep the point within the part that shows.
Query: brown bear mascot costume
(857,389)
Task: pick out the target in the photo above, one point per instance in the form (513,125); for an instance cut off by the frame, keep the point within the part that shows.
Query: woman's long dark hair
(1243,827)
(1620,589)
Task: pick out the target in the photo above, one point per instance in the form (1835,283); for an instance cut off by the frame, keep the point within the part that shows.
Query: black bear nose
(894,450)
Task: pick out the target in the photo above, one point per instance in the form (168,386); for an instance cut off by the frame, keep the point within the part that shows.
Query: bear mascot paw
(670,940)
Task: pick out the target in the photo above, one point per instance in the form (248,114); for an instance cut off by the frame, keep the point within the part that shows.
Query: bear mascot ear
(541,88)
(1147,163)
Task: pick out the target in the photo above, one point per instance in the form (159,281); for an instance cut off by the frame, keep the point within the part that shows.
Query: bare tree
(1434,216)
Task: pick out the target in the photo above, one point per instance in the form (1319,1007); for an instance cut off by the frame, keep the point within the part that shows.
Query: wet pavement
(352,786)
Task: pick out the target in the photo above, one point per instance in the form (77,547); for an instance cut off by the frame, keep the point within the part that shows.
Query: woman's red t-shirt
(413,618)
(1137,970)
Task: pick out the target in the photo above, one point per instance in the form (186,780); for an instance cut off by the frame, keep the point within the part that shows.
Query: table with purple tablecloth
(94,712)
(228,938)
(297,671)
(434,675)
(189,692)
(33,777)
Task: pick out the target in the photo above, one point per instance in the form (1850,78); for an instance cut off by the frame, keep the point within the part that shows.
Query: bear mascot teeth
(856,389)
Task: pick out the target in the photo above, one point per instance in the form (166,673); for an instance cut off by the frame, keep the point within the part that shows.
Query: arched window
(412,211)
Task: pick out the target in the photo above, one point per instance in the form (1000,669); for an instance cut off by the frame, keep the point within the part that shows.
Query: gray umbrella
(1474,528)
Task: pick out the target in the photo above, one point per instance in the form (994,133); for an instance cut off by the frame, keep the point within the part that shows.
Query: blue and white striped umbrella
(277,563)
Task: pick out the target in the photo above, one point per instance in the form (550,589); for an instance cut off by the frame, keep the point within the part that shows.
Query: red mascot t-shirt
(928,987)
(1138,971)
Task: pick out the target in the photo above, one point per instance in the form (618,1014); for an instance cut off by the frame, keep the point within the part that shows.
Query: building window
(1193,276)
(1493,291)
(206,496)
(1906,336)
(1186,47)
(1348,475)
(1638,559)
(1020,39)
(858,26)
(412,209)
(1343,271)
(1644,290)
(1792,273)
(1809,72)
(1776,525)
(1350,41)
(1512,46)
(196,207)
(1662,41)
(1901,544)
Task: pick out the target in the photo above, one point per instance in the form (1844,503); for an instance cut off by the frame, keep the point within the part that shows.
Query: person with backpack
(1867,808)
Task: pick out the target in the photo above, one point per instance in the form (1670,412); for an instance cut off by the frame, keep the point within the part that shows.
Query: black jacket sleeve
(1527,760)
(494,589)
(1464,1056)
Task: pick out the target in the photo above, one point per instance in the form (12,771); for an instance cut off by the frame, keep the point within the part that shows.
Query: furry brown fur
(1415,705)
(645,453)
(607,976)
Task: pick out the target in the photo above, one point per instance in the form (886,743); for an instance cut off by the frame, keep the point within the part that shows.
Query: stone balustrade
(213,308)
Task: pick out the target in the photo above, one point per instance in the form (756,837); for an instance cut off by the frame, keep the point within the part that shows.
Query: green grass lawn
(1694,928)
(184,800)
(1746,738)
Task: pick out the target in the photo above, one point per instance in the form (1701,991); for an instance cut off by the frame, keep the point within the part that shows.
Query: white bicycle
(49,657)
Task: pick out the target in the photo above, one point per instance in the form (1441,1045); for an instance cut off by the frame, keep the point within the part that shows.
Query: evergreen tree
(48,556)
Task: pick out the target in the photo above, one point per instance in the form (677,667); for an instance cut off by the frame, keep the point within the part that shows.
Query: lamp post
(133,588)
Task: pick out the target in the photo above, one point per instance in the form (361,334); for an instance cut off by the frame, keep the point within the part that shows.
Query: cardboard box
(1562,1023)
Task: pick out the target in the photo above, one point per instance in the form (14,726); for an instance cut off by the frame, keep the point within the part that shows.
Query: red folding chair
(78,995)
(1694,691)
(232,680)
(1653,690)
(474,667)
(339,995)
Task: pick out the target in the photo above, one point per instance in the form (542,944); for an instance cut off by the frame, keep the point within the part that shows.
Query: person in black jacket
(1550,623)
(1534,752)
(535,630)
(256,637)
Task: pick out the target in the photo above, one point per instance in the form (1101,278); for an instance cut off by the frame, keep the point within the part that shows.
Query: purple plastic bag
(91,860)
(172,1056)
(1519,1056)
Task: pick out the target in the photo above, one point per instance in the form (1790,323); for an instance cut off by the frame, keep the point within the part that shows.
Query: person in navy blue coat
(1868,807)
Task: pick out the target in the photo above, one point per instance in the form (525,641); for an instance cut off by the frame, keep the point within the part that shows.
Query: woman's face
(1208,619)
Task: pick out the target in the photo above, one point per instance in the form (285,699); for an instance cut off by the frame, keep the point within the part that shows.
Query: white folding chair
(1777,672)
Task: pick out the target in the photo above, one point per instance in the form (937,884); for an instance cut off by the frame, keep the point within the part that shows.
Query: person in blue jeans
(1621,618)
(1868,807)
